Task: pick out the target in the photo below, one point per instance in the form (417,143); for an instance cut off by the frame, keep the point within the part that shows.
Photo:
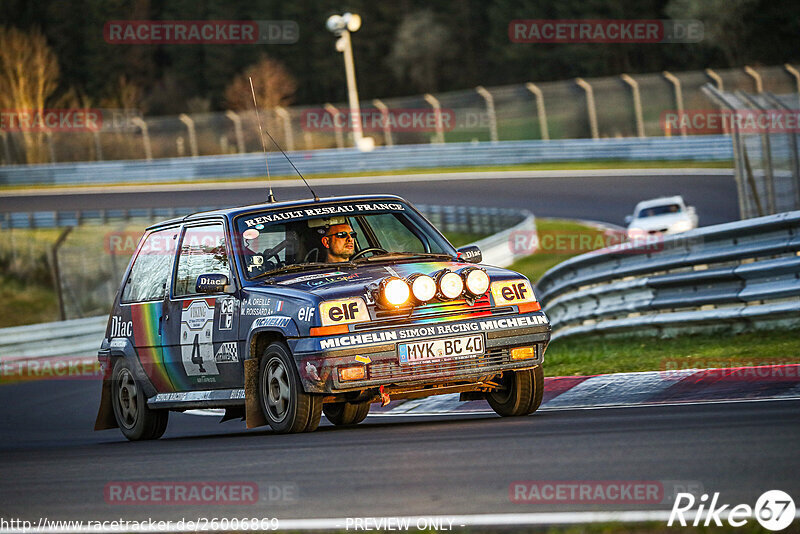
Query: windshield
(330,234)
(659,210)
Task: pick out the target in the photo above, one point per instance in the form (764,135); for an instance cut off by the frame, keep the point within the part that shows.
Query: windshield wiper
(298,267)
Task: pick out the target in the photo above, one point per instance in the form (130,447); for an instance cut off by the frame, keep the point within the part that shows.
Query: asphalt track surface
(607,198)
(53,465)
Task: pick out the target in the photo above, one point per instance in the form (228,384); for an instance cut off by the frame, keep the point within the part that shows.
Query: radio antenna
(271,198)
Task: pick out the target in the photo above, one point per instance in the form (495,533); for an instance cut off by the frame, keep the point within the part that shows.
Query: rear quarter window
(151,267)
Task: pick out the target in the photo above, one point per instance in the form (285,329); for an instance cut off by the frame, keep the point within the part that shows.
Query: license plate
(440,349)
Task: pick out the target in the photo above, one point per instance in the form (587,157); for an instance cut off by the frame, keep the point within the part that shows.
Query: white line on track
(427,177)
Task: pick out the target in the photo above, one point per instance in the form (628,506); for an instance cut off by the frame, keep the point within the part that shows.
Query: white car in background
(665,216)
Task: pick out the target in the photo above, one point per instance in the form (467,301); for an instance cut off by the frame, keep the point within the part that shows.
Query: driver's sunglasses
(343,235)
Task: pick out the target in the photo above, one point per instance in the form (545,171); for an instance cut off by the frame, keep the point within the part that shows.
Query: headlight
(423,287)
(394,291)
(476,280)
(450,285)
(681,226)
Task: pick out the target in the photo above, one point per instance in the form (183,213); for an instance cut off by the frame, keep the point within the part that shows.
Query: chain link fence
(619,106)
(765,136)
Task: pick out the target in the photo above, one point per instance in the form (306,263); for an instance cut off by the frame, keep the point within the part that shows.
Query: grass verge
(597,355)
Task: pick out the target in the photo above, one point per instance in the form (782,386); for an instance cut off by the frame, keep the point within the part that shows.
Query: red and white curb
(633,389)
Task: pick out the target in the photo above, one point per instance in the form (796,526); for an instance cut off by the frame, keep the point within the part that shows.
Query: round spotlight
(476,280)
(394,291)
(450,285)
(423,287)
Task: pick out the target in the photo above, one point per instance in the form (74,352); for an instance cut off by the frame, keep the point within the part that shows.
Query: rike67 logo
(774,510)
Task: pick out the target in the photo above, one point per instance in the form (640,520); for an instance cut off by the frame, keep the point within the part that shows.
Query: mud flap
(105,415)
(253,414)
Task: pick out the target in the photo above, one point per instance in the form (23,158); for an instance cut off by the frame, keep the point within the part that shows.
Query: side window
(393,235)
(151,268)
(203,251)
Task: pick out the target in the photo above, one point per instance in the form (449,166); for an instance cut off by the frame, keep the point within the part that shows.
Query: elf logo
(512,292)
(343,311)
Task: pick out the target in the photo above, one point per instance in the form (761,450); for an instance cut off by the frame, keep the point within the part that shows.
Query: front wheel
(287,408)
(346,413)
(134,418)
(520,393)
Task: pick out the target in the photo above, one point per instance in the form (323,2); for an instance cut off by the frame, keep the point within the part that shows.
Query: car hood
(659,221)
(351,281)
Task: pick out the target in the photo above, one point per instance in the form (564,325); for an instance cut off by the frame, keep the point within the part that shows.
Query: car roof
(275,206)
(660,201)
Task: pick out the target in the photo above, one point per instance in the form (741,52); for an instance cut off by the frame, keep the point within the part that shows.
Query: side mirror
(470,254)
(628,219)
(211,283)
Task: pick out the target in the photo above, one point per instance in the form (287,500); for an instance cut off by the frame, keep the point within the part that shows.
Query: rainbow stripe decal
(147,342)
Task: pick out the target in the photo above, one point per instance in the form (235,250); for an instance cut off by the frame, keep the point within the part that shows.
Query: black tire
(521,393)
(287,408)
(134,418)
(346,413)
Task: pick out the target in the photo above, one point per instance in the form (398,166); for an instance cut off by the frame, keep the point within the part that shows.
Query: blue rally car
(283,311)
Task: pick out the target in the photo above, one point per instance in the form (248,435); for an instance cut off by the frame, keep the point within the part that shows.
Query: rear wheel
(287,408)
(520,394)
(134,418)
(346,413)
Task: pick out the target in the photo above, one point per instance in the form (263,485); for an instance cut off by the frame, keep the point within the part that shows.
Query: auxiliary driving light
(358,372)
(451,285)
(523,353)
(423,287)
(476,280)
(394,291)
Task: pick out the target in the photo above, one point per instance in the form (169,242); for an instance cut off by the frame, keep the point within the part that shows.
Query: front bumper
(319,366)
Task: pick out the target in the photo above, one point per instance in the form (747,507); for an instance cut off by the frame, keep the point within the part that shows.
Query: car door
(141,308)
(201,330)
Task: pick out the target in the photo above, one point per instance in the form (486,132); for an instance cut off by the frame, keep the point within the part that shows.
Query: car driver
(339,240)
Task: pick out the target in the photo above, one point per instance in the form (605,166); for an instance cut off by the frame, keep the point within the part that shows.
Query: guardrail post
(590,107)
(794,72)
(57,273)
(756,78)
(6,149)
(287,126)
(437,109)
(716,78)
(637,103)
(237,128)
(98,149)
(540,111)
(337,127)
(148,151)
(51,146)
(487,96)
(676,84)
(387,126)
(189,122)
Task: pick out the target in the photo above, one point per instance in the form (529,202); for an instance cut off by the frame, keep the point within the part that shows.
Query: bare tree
(28,77)
(274,86)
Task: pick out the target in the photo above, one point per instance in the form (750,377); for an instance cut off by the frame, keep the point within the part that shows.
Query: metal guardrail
(398,157)
(81,337)
(445,218)
(739,275)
